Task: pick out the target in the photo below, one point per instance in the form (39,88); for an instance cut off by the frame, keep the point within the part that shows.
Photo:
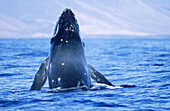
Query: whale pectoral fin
(97,76)
(40,77)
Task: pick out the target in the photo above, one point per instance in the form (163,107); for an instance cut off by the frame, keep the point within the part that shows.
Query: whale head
(67,27)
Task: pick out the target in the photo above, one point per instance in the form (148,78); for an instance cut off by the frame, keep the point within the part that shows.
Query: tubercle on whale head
(67,26)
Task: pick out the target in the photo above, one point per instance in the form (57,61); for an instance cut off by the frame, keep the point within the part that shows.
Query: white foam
(101,86)
(58,88)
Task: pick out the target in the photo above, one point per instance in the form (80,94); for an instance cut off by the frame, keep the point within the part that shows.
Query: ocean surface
(144,63)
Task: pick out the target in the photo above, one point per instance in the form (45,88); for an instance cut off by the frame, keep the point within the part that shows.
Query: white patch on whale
(67,28)
(59,79)
(50,65)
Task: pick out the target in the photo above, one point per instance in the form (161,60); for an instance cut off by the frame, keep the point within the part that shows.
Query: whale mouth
(67,22)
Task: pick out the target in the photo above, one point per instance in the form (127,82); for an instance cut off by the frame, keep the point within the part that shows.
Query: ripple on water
(161,71)
(4,103)
(157,64)
(99,104)
(7,74)
(164,55)
(33,54)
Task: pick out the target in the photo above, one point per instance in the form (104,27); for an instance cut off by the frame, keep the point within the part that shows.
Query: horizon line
(102,36)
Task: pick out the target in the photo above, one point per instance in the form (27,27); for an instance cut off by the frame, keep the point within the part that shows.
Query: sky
(37,18)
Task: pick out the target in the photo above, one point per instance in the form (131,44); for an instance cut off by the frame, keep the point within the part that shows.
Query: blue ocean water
(141,62)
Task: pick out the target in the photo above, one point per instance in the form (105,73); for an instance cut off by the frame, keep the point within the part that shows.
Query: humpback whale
(66,66)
